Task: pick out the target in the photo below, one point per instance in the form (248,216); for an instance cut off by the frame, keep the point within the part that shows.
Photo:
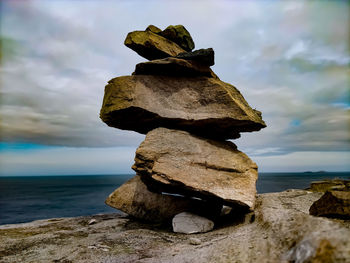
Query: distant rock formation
(185,163)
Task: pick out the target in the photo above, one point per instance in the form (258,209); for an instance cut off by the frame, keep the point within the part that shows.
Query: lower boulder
(177,162)
(135,199)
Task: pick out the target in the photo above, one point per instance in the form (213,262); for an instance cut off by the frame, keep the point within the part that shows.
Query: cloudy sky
(290,60)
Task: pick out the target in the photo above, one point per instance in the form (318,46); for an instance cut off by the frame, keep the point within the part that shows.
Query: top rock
(152,46)
(179,35)
(153,43)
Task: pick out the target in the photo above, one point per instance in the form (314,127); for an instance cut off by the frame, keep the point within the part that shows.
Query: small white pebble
(195,241)
(92,221)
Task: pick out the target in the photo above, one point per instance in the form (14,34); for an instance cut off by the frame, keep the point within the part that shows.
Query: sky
(289,59)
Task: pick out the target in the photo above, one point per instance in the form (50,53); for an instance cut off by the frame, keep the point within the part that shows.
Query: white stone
(189,223)
(92,221)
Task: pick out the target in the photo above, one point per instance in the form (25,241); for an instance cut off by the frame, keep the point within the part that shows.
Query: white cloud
(291,65)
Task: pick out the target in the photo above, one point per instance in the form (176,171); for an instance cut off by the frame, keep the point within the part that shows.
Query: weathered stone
(328,185)
(281,228)
(201,105)
(195,241)
(202,56)
(189,223)
(179,35)
(178,162)
(135,199)
(151,46)
(332,204)
(153,29)
(173,67)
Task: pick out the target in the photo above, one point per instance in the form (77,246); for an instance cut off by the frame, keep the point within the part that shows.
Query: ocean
(28,198)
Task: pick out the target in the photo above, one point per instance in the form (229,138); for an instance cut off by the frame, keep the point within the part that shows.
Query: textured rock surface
(173,67)
(179,35)
(135,199)
(327,185)
(332,204)
(202,56)
(151,46)
(176,161)
(283,231)
(201,105)
(189,223)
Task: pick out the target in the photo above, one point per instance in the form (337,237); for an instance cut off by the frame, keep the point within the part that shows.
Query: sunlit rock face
(178,162)
(201,105)
(187,114)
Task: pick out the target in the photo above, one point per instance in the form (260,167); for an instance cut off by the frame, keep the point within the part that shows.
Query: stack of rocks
(185,163)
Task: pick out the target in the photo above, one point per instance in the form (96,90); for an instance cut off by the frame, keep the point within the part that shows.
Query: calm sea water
(24,199)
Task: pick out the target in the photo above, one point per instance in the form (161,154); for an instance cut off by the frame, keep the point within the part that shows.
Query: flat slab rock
(202,56)
(178,162)
(328,185)
(200,105)
(173,67)
(151,46)
(189,223)
(282,231)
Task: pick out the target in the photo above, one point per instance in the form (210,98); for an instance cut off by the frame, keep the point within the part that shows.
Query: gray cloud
(289,59)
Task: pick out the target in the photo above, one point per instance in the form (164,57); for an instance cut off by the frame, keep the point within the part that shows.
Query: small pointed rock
(179,35)
(153,29)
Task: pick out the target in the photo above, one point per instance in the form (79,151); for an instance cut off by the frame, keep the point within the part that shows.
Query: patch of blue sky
(21,146)
(343,105)
(295,123)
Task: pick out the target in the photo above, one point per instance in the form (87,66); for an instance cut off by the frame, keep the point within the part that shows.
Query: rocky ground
(281,230)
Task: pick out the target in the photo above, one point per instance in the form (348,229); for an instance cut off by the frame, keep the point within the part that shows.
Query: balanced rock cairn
(185,163)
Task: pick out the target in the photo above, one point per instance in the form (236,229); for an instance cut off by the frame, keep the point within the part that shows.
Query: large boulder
(332,204)
(202,56)
(151,46)
(179,35)
(178,162)
(173,67)
(201,105)
(135,199)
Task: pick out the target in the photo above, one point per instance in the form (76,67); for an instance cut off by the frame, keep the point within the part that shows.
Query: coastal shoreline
(278,230)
